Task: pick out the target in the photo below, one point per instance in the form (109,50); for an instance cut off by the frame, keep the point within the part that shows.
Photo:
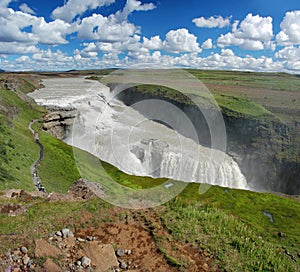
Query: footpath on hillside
(33,168)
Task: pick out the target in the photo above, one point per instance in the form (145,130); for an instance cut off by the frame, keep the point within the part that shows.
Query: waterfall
(123,137)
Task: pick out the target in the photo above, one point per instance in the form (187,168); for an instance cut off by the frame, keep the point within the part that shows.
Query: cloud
(115,27)
(181,40)
(290,29)
(154,43)
(73,8)
(10,32)
(227,53)
(289,53)
(213,21)
(26,9)
(22,59)
(105,29)
(15,48)
(207,44)
(131,6)
(12,29)
(253,33)
(52,33)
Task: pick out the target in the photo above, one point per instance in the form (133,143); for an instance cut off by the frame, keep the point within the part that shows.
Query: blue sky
(256,35)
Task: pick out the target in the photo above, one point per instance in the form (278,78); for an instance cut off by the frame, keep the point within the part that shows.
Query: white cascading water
(123,137)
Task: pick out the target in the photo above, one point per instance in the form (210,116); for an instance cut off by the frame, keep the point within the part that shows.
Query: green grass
(249,207)
(230,105)
(275,81)
(57,170)
(235,245)
(18,150)
(239,106)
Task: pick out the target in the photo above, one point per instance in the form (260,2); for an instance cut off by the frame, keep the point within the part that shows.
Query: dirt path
(33,168)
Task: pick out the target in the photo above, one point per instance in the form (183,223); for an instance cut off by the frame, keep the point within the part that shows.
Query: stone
(58,233)
(85,261)
(25,259)
(30,263)
(128,252)
(102,256)
(43,249)
(120,252)
(90,238)
(67,233)
(123,265)
(78,263)
(24,250)
(15,258)
(80,239)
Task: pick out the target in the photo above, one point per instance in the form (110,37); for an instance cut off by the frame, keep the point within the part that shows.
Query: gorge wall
(265,149)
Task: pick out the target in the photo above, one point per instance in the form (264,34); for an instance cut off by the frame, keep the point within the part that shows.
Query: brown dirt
(134,236)
(49,265)
(43,249)
(152,247)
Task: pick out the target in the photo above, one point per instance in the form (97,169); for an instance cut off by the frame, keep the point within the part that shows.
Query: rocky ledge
(58,121)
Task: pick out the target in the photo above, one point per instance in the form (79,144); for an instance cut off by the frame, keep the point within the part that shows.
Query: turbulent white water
(123,137)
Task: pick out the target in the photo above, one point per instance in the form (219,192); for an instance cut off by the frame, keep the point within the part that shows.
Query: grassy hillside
(231,226)
(18,150)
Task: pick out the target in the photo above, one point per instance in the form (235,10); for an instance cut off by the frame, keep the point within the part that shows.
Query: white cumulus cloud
(290,29)
(26,9)
(73,8)
(52,33)
(105,29)
(213,21)
(253,33)
(154,43)
(16,48)
(181,40)
(207,44)
(131,6)
(289,53)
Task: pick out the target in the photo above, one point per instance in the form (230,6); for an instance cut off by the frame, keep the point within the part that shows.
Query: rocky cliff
(58,121)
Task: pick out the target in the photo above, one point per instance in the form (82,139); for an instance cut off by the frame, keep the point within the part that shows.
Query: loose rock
(67,233)
(120,252)
(123,265)
(24,250)
(85,261)
(58,233)
(90,238)
(26,260)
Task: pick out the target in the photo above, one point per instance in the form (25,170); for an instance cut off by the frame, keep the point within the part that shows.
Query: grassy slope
(229,223)
(18,150)
(16,141)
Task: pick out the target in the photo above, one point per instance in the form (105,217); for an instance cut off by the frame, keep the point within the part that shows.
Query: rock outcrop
(58,121)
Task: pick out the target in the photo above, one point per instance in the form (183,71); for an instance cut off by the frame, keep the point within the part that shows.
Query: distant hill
(2,71)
